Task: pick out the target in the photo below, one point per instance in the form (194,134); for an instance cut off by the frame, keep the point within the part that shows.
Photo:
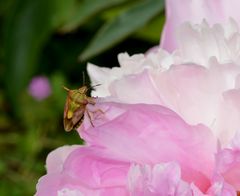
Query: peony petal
(89,172)
(98,76)
(228,122)
(56,158)
(135,84)
(161,179)
(136,130)
(236,140)
(228,165)
(220,187)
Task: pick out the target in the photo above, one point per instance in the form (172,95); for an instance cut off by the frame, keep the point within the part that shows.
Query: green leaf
(29,26)
(85,10)
(5,6)
(152,31)
(125,24)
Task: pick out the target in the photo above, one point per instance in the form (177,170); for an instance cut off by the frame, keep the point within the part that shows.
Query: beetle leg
(89,116)
(98,110)
(91,100)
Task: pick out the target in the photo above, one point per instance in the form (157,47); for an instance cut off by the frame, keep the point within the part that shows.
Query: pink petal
(151,134)
(86,171)
(56,158)
(236,141)
(228,165)
(130,89)
(220,187)
(161,179)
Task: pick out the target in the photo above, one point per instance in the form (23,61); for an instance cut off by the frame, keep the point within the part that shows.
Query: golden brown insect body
(75,107)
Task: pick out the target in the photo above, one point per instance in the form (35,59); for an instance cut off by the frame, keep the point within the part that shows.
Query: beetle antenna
(67,89)
(92,87)
(95,85)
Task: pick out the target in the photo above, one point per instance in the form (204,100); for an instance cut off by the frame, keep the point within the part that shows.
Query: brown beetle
(75,107)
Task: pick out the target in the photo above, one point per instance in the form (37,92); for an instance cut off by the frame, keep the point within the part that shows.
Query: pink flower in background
(39,88)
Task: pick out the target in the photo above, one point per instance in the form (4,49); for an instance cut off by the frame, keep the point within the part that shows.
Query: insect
(75,107)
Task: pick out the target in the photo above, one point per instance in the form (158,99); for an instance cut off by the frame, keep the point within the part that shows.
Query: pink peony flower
(170,118)
(39,88)
(194,11)
(135,149)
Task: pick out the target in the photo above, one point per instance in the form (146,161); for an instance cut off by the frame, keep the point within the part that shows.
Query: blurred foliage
(56,39)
